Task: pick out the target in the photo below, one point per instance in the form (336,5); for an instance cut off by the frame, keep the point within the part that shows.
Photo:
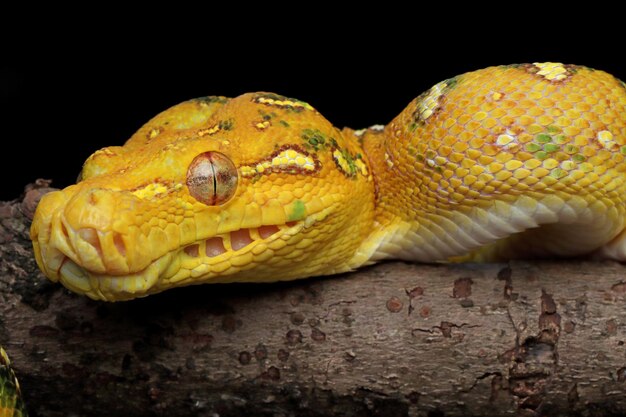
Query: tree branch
(529,338)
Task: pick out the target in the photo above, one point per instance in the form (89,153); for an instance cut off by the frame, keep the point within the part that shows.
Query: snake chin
(213,259)
(111,288)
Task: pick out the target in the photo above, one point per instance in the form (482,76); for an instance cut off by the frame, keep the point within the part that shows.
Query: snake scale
(11,404)
(507,162)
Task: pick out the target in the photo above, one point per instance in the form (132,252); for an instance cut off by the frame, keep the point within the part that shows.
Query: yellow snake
(506,162)
(11,404)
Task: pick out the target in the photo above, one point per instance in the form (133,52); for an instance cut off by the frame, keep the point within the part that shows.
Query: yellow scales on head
(255,188)
(506,162)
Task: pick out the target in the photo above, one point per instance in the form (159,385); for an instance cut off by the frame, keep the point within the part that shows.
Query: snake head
(256,188)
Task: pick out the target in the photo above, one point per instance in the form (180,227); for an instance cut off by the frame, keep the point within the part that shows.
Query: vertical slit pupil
(213,198)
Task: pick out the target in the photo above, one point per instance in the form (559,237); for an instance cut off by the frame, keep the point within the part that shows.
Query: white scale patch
(504,140)
(360,132)
(552,70)
(427,106)
(153,190)
(507,140)
(375,128)
(388,160)
(606,139)
(283,161)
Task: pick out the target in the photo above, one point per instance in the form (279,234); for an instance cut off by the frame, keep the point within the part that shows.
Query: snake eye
(212,178)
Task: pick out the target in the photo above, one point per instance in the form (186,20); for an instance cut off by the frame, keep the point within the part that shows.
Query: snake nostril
(90,236)
(118,241)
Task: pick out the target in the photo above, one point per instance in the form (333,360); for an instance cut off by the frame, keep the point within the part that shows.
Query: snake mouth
(107,287)
(213,259)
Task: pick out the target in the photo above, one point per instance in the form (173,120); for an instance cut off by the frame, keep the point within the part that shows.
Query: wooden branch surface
(528,338)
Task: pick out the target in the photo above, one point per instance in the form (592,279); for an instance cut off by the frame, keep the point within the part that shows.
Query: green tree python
(516,161)
(11,404)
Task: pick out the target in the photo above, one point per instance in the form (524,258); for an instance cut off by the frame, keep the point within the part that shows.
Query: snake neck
(385,239)
(401,210)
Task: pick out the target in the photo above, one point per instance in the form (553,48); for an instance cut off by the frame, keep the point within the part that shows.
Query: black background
(73,91)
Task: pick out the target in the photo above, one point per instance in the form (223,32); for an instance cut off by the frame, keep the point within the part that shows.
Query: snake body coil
(11,404)
(506,162)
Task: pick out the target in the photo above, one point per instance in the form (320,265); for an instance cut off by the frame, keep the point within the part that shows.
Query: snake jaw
(112,288)
(49,258)
(166,272)
(78,255)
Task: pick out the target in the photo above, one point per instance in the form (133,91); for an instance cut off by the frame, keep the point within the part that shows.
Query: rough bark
(527,338)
